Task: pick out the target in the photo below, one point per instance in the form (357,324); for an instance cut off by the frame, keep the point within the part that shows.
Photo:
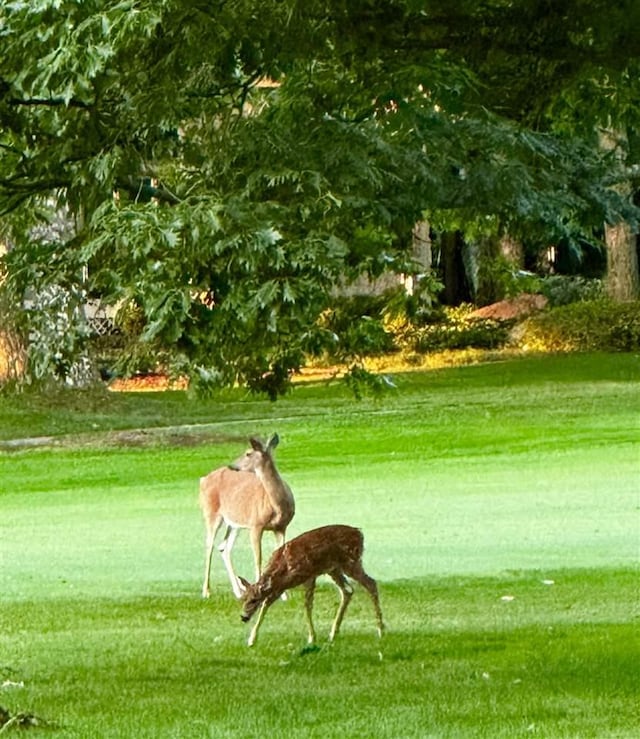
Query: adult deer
(248,494)
(332,550)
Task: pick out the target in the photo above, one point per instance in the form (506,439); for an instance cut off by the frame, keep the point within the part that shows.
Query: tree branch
(51,103)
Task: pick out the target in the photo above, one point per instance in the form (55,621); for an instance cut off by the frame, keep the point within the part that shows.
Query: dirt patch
(176,436)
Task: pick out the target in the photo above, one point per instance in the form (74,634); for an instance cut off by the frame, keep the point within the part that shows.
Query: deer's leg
(225,551)
(254,631)
(225,538)
(256,544)
(279,538)
(346,591)
(357,572)
(310,587)
(212,530)
(280,542)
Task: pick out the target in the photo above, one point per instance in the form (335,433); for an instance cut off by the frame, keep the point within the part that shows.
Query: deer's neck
(275,487)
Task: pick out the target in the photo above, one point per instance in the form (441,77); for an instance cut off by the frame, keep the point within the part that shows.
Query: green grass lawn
(501,510)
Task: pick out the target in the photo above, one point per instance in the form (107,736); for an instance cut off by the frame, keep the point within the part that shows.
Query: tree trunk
(421,238)
(456,286)
(422,256)
(622,281)
(512,251)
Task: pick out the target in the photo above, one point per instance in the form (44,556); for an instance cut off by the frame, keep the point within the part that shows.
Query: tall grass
(500,510)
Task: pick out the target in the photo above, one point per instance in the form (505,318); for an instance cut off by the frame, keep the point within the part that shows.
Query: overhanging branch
(51,103)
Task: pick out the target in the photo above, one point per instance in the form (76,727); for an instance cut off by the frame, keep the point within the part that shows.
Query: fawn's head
(253,596)
(254,458)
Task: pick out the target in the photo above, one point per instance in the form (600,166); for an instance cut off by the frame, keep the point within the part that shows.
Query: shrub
(456,329)
(58,338)
(498,280)
(585,326)
(563,289)
(121,352)
(358,322)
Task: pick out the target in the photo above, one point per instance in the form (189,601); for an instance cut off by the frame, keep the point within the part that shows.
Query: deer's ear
(245,584)
(256,444)
(273,442)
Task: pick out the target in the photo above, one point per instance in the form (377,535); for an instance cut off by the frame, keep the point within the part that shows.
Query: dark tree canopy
(225,165)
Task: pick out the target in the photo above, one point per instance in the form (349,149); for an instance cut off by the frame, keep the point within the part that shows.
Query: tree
(622,251)
(601,105)
(227,166)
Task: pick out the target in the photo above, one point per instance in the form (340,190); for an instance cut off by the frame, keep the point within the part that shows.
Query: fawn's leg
(254,631)
(346,591)
(310,587)
(357,572)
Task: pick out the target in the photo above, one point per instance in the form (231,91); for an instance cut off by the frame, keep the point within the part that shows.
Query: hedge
(586,326)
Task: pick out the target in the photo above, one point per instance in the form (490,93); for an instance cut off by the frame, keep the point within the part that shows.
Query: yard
(500,507)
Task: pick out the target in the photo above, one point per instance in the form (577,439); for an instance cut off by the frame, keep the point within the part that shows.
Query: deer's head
(256,455)
(253,596)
